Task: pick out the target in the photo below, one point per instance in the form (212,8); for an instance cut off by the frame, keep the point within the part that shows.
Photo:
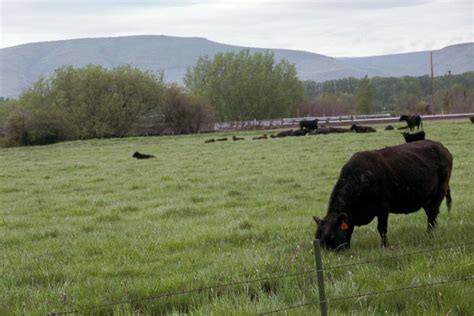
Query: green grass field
(84,224)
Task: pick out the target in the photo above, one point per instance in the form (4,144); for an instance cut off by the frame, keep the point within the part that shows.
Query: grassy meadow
(84,224)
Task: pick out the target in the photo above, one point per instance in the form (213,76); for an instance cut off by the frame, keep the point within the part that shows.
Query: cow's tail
(448,199)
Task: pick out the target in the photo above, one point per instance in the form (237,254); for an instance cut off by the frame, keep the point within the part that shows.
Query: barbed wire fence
(319,271)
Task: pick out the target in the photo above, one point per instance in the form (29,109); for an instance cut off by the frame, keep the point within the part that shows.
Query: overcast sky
(330,27)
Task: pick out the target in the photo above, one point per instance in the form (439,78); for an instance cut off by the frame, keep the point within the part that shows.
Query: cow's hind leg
(432,209)
(382,224)
(432,212)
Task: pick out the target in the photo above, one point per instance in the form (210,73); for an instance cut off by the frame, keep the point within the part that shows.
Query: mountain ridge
(22,65)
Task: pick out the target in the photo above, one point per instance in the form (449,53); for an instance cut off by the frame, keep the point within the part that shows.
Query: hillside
(22,65)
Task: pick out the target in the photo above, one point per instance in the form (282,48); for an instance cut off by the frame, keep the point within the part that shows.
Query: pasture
(83,223)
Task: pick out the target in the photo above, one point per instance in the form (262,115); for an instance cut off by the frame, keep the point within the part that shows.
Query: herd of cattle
(399,179)
(310,127)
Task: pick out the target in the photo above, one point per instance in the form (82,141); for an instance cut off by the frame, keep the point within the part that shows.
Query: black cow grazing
(235,138)
(222,139)
(309,125)
(399,179)
(209,140)
(299,132)
(142,156)
(414,137)
(412,121)
(389,128)
(472,119)
(362,129)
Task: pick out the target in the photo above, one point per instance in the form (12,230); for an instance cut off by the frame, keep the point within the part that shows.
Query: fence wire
(470,278)
(395,256)
(230,284)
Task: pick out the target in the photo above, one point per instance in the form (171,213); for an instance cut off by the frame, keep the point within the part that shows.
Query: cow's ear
(317,220)
(342,218)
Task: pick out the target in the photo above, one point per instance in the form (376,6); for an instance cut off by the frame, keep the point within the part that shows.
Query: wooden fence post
(319,272)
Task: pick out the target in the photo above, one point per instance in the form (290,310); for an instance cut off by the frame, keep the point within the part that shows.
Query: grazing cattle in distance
(399,179)
(472,119)
(412,121)
(414,137)
(362,129)
(264,136)
(137,155)
(235,138)
(309,125)
(221,139)
(389,128)
(209,140)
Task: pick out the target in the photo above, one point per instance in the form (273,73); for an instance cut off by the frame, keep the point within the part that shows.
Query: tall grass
(83,224)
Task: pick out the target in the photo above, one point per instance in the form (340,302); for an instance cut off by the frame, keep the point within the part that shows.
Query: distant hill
(21,66)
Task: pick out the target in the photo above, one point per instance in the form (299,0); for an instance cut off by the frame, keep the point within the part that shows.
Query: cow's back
(401,178)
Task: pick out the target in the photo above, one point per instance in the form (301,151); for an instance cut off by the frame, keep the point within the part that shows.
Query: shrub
(183,113)
(37,128)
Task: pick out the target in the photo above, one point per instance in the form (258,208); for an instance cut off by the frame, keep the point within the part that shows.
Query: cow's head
(353,127)
(332,231)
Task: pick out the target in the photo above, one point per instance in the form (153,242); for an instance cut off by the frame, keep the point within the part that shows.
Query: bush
(183,113)
(37,128)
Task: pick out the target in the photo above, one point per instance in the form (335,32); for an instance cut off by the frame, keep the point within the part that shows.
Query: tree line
(452,94)
(96,102)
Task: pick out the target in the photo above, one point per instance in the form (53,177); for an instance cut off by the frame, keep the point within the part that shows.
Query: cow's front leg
(382,228)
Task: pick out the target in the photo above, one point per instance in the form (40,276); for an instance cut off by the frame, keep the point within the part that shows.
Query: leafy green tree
(243,86)
(92,101)
(365,97)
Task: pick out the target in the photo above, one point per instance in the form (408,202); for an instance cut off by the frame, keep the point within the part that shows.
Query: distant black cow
(142,156)
(309,125)
(414,137)
(362,129)
(299,132)
(329,130)
(399,179)
(389,128)
(283,133)
(412,121)
(235,138)
(264,136)
(221,139)
(209,140)
(338,130)
(472,119)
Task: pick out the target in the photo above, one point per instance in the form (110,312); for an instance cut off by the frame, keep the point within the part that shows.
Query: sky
(335,28)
